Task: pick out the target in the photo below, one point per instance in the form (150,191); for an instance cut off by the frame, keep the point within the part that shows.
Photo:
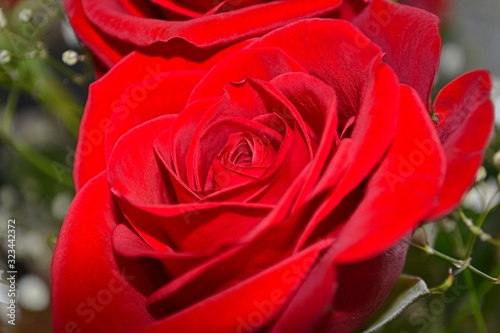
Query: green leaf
(407,290)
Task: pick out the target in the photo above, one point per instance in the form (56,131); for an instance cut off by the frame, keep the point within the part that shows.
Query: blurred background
(41,103)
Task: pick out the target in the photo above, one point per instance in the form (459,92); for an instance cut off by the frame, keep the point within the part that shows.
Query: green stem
(36,159)
(483,288)
(10,107)
(461,264)
(493,280)
(477,231)
(474,237)
(48,91)
(61,68)
(431,251)
(474,302)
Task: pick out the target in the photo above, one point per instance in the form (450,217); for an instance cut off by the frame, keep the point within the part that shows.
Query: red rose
(112,28)
(266,188)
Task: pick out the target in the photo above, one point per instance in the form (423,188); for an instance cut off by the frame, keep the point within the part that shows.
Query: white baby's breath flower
(25,15)
(3,19)
(496,159)
(31,54)
(481,174)
(70,57)
(5,57)
(34,294)
(481,195)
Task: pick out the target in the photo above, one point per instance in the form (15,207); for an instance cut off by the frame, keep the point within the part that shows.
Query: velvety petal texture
(414,55)
(267,186)
(89,303)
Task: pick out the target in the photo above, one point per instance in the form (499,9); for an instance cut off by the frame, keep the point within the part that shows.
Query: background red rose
(266,174)
(112,29)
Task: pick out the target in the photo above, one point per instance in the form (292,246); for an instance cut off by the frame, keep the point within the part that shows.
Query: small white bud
(496,159)
(70,57)
(4,57)
(35,294)
(481,174)
(25,15)
(31,54)
(3,19)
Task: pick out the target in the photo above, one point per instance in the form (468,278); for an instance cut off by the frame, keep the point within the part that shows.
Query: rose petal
(267,244)
(311,301)
(348,299)
(372,135)
(84,268)
(208,144)
(263,294)
(350,9)
(199,229)
(180,11)
(108,50)
(166,93)
(230,70)
(172,146)
(465,114)
(335,169)
(290,161)
(150,188)
(314,100)
(410,38)
(147,185)
(114,19)
(229,5)
(128,244)
(317,104)
(363,287)
(106,93)
(250,100)
(225,174)
(177,171)
(384,215)
(340,62)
